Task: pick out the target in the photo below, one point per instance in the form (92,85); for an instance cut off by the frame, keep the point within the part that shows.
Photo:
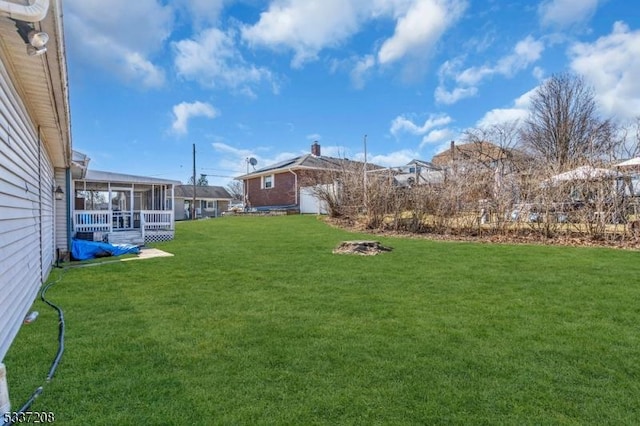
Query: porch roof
(101,176)
(203,192)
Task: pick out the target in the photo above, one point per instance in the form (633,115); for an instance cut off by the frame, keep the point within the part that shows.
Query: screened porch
(112,205)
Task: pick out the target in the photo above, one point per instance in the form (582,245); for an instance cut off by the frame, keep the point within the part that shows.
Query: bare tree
(202,180)
(563,127)
(504,164)
(629,145)
(235,188)
(340,188)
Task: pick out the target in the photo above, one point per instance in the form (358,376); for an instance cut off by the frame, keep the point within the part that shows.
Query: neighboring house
(484,163)
(211,201)
(35,157)
(286,185)
(121,208)
(418,172)
(482,153)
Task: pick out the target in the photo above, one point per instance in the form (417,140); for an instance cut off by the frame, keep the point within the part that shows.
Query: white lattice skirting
(157,236)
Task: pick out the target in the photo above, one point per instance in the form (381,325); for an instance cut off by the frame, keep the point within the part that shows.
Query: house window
(209,204)
(267,182)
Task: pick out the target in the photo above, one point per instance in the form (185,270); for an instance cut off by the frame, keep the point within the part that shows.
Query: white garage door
(309,203)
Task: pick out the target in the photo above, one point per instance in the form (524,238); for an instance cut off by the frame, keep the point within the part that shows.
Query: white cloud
(438,136)
(518,112)
(228,149)
(121,37)
(392,159)
(305,27)
(185,111)
(443,96)
(143,70)
(213,60)
(420,28)
(314,137)
(525,53)
(233,158)
(404,124)
(433,130)
(499,116)
(563,13)
(361,69)
(203,12)
(538,73)
(611,65)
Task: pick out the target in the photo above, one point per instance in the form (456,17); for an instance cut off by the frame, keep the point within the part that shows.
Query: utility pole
(193,201)
(365,174)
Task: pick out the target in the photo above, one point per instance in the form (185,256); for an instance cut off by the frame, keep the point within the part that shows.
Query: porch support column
(110,208)
(71,207)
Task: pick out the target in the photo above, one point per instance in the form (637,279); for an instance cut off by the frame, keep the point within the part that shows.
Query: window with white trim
(267,182)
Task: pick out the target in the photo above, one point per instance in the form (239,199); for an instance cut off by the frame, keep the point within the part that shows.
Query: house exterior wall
(283,192)
(219,206)
(60,213)
(179,212)
(286,187)
(26,211)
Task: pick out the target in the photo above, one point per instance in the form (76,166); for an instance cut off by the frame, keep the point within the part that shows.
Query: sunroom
(122,208)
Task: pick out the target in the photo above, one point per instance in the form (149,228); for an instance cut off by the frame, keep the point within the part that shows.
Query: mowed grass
(255,321)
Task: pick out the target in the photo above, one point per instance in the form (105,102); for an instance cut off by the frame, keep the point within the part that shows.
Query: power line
(219,170)
(222,176)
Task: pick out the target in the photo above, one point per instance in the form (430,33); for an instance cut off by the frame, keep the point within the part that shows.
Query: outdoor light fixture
(59,193)
(36,40)
(33,51)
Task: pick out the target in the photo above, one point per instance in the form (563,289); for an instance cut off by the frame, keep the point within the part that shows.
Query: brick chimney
(315,149)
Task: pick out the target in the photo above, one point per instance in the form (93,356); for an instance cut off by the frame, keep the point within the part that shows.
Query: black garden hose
(54,365)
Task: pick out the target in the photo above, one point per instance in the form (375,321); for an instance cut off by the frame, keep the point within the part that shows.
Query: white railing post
(143,224)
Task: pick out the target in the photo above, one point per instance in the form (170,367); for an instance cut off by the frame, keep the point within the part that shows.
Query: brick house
(281,186)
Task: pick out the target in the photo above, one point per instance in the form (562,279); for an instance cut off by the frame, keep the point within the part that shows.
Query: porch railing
(108,221)
(92,221)
(156,219)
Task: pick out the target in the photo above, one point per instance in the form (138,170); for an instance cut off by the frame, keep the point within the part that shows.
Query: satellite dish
(253,161)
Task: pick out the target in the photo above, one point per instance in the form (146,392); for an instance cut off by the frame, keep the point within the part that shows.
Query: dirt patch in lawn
(363,248)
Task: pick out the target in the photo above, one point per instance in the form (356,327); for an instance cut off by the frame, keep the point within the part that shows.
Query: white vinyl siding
(26,212)
(60,215)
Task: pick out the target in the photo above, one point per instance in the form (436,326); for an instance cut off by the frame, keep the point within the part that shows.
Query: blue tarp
(83,250)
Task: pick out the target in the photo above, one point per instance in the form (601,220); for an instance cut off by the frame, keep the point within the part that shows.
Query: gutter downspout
(296,186)
(36,11)
(68,208)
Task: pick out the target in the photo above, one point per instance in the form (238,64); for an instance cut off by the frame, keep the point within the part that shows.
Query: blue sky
(264,79)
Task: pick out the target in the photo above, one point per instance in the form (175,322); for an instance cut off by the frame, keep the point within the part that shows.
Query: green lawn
(255,321)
